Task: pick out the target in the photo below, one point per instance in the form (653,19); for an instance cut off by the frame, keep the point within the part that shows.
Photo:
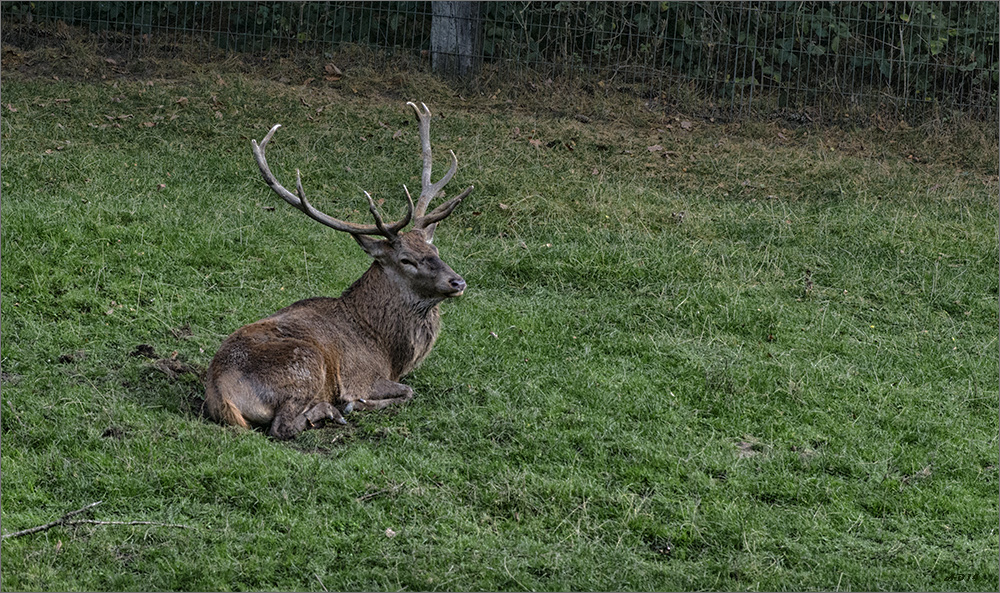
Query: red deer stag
(321,356)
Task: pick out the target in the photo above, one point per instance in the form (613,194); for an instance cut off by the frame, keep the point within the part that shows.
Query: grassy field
(692,355)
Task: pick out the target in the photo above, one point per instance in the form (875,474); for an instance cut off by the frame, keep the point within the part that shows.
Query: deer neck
(399,321)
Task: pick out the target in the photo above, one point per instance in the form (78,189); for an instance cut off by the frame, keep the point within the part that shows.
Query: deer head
(408,257)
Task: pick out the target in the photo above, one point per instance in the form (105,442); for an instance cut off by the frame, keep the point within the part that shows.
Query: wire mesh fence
(742,57)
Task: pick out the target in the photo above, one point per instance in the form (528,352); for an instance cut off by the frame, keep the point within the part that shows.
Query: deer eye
(408,262)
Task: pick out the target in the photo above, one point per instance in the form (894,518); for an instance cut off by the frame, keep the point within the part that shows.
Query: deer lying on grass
(320,357)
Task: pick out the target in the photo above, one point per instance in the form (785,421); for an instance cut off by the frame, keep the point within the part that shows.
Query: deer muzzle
(457,285)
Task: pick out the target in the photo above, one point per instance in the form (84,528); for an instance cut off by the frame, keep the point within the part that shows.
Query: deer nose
(457,285)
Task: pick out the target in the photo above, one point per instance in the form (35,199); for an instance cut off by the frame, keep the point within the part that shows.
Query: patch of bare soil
(9,378)
(172,366)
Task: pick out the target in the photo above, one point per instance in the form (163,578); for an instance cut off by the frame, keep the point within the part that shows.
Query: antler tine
(442,211)
(409,212)
(300,202)
(267,138)
(435,188)
(429,222)
(424,127)
(391,231)
(265,170)
(378,217)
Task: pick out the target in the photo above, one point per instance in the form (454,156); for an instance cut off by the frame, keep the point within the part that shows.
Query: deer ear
(373,247)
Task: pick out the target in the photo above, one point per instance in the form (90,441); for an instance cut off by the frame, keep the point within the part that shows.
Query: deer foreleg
(384,394)
(323,411)
(288,424)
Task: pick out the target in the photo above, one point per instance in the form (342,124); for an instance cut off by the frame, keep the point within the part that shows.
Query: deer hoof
(348,409)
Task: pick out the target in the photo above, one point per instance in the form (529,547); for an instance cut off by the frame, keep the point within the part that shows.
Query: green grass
(624,399)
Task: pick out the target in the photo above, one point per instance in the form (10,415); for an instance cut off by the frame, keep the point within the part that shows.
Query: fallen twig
(59,521)
(65,522)
(392,489)
(95,522)
(371,495)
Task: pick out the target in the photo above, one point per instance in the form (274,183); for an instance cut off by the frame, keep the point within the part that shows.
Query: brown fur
(291,369)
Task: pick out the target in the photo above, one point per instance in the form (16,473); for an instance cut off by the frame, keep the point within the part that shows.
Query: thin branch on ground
(64,521)
(95,522)
(392,489)
(47,526)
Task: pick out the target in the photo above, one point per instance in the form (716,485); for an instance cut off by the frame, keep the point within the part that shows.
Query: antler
(427,189)
(380,228)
